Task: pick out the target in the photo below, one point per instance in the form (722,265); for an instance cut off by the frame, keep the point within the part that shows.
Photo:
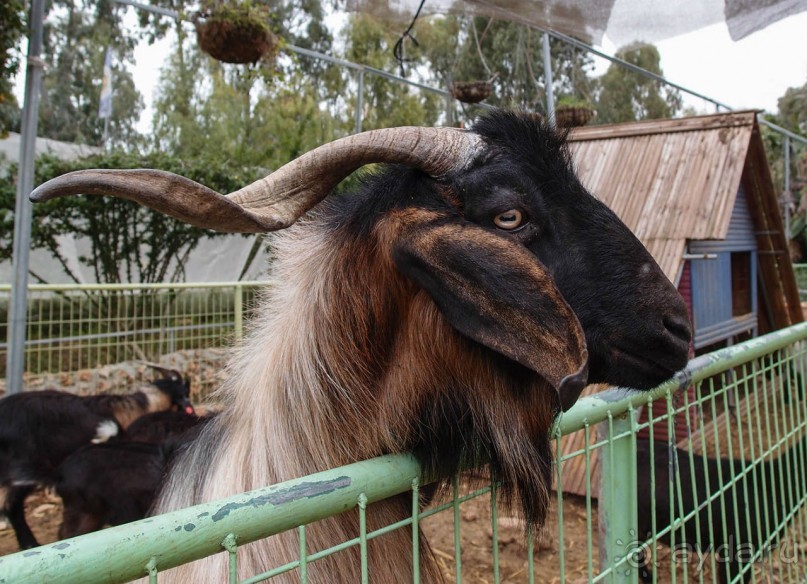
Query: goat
(39,429)
(159,427)
(116,482)
(451,305)
(769,482)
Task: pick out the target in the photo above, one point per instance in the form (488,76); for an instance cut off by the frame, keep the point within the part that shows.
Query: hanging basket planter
(234,36)
(471,91)
(567,116)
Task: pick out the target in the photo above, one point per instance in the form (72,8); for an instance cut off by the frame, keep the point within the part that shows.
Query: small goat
(38,429)
(452,305)
(116,482)
(160,427)
(769,483)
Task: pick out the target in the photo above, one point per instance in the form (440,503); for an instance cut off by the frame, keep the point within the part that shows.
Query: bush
(128,242)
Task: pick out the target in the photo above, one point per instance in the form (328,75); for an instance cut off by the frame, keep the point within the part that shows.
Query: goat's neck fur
(126,408)
(334,372)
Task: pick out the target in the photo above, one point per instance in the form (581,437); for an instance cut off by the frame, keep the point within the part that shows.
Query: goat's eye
(509,220)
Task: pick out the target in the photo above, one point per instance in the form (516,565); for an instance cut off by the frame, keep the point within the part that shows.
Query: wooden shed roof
(672,181)
(668,180)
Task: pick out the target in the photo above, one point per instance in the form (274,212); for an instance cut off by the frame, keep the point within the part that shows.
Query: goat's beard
(510,436)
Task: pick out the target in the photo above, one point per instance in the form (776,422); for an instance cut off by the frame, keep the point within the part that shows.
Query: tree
(793,109)
(386,103)
(12,29)
(791,115)
(200,101)
(128,242)
(627,95)
(76,37)
(511,54)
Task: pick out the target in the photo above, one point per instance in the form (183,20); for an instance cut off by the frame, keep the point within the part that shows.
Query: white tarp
(214,260)
(623,21)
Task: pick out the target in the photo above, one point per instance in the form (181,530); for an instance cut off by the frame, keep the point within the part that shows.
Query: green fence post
(617,507)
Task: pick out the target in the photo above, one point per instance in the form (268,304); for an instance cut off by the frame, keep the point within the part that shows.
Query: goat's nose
(678,326)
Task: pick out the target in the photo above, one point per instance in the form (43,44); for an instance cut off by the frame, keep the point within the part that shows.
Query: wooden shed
(698,193)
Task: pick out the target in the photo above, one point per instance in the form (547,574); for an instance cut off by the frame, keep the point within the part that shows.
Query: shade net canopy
(623,21)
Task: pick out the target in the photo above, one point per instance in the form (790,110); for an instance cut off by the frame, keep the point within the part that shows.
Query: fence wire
(719,498)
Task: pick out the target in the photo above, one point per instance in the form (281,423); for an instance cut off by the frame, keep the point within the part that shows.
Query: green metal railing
(745,404)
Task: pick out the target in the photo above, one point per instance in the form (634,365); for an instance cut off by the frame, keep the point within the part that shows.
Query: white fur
(105,430)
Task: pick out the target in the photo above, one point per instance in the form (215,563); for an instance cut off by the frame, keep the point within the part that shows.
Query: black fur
(766,486)
(39,429)
(158,427)
(116,482)
(595,260)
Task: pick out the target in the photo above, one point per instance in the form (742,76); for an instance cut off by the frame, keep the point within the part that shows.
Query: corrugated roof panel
(667,180)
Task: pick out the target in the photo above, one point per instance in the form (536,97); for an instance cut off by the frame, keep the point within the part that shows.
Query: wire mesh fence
(71,328)
(719,498)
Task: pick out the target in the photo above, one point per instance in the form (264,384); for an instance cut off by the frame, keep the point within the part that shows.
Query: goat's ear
(491,289)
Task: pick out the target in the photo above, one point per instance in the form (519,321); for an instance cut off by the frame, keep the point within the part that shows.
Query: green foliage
(76,36)
(628,96)
(463,49)
(792,115)
(793,109)
(243,12)
(571,101)
(128,242)
(12,29)
(386,103)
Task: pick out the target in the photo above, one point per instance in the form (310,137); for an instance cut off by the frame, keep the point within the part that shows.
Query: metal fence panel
(727,503)
(84,327)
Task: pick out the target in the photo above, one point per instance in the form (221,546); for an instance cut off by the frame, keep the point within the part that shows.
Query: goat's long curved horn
(278,200)
(166,372)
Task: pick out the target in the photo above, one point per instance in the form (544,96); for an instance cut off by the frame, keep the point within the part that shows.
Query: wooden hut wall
(780,305)
(724,280)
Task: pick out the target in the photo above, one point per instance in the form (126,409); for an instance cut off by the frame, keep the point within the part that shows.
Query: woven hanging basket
(235,41)
(568,116)
(471,91)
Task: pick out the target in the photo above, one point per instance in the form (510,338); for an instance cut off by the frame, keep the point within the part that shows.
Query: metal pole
(550,95)
(23,212)
(360,101)
(617,506)
(786,196)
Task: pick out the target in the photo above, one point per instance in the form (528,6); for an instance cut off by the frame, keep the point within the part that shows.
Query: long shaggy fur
(353,341)
(356,352)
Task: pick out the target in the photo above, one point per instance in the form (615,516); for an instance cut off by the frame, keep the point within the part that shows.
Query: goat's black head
(176,387)
(524,187)
(517,255)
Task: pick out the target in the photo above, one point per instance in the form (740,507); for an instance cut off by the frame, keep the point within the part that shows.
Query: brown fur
(371,347)
(126,408)
(406,316)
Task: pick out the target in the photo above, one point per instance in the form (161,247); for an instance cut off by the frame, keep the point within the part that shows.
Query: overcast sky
(751,73)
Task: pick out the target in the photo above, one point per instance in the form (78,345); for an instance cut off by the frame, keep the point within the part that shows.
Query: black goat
(765,485)
(452,306)
(159,427)
(116,482)
(39,429)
